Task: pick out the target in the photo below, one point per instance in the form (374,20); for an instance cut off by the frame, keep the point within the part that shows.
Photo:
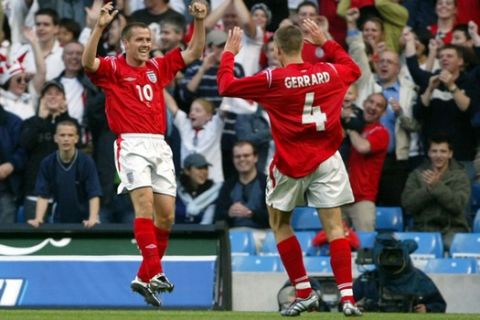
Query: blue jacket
(10,150)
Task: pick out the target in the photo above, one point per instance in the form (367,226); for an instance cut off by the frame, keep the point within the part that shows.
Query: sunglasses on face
(19,80)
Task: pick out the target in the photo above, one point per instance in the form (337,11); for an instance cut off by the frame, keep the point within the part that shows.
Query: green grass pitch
(23,314)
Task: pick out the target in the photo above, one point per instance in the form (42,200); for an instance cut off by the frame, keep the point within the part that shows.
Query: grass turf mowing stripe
(42,314)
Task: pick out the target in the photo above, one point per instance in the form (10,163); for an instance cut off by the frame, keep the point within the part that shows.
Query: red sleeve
(247,88)
(105,72)
(378,140)
(343,64)
(169,65)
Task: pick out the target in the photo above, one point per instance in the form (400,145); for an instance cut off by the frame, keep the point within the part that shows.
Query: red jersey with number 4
(304,103)
(134,95)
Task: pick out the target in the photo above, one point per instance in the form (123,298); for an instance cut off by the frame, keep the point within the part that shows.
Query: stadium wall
(257,291)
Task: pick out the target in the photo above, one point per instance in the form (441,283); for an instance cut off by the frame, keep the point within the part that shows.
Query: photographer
(396,285)
(352,119)
(367,154)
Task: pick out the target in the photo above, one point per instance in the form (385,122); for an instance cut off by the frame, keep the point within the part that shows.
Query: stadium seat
(475,197)
(305,239)
(269,246)
(465,245)
(256,263)
(242,243)
(430,244)
(451,265)
(389,219)
(317,264)
(305,218)
(476,222)
(367,239)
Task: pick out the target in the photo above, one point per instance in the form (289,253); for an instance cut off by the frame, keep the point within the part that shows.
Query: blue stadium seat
(389,219)
(430,244)
(305,218)
(475,197)
(476,222)
(465,245)
(256,264)
(269,246)
(242,243)
(305,239)
(317,264)
(367,239)
(451,265)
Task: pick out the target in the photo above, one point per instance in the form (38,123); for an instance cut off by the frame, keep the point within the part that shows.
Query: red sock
(162,242)
(292,259)
(341,262)
(144,234)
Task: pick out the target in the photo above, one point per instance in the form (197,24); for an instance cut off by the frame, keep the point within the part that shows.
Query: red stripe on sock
(341,262)
(291,255)
(147,243)
(162,236)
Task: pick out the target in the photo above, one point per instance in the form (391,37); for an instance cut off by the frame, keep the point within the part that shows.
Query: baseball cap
(195,160)
(51,83)
(216,37)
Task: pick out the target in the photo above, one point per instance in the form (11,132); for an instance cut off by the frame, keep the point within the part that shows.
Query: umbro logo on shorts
(130,177)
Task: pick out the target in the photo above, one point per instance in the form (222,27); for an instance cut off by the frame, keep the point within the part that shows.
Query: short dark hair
(72,26)
(48,12)
(177,22)
(289,39)
(68,122)
(127,31)
(440,138)
(306,3)
(463,28)
(241,143)
(458,49)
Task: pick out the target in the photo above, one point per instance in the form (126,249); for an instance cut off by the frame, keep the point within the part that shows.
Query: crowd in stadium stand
(411,122)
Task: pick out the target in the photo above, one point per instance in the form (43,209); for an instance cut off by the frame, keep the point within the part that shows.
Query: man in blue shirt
(69,177)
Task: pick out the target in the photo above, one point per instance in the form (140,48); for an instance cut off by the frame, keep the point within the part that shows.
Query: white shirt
(74,95)
(249,55)
(22,106)
(53,61)
(207,142)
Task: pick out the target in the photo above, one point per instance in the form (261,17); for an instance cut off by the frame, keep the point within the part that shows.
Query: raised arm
(170,102)
(198,9)
(39,77)
(245,17)
(216,14)
(89,59)
(347,68)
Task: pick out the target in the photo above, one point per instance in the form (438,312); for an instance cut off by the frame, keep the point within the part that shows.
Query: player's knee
(164,221)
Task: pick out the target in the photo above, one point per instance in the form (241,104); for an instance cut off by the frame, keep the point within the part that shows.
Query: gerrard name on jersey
(307,80)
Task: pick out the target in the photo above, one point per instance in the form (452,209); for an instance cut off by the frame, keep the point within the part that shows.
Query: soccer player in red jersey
(135,108)
(304,103)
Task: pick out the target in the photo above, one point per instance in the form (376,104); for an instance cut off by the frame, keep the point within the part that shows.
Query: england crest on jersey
(152,76)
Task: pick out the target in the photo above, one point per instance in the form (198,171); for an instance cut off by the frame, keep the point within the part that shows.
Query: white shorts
(145,160)
(326,187)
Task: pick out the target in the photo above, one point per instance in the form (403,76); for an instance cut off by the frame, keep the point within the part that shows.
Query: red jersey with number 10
(304,103)
(134,95)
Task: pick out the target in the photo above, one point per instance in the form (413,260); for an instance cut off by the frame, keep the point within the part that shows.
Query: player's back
(304,105)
